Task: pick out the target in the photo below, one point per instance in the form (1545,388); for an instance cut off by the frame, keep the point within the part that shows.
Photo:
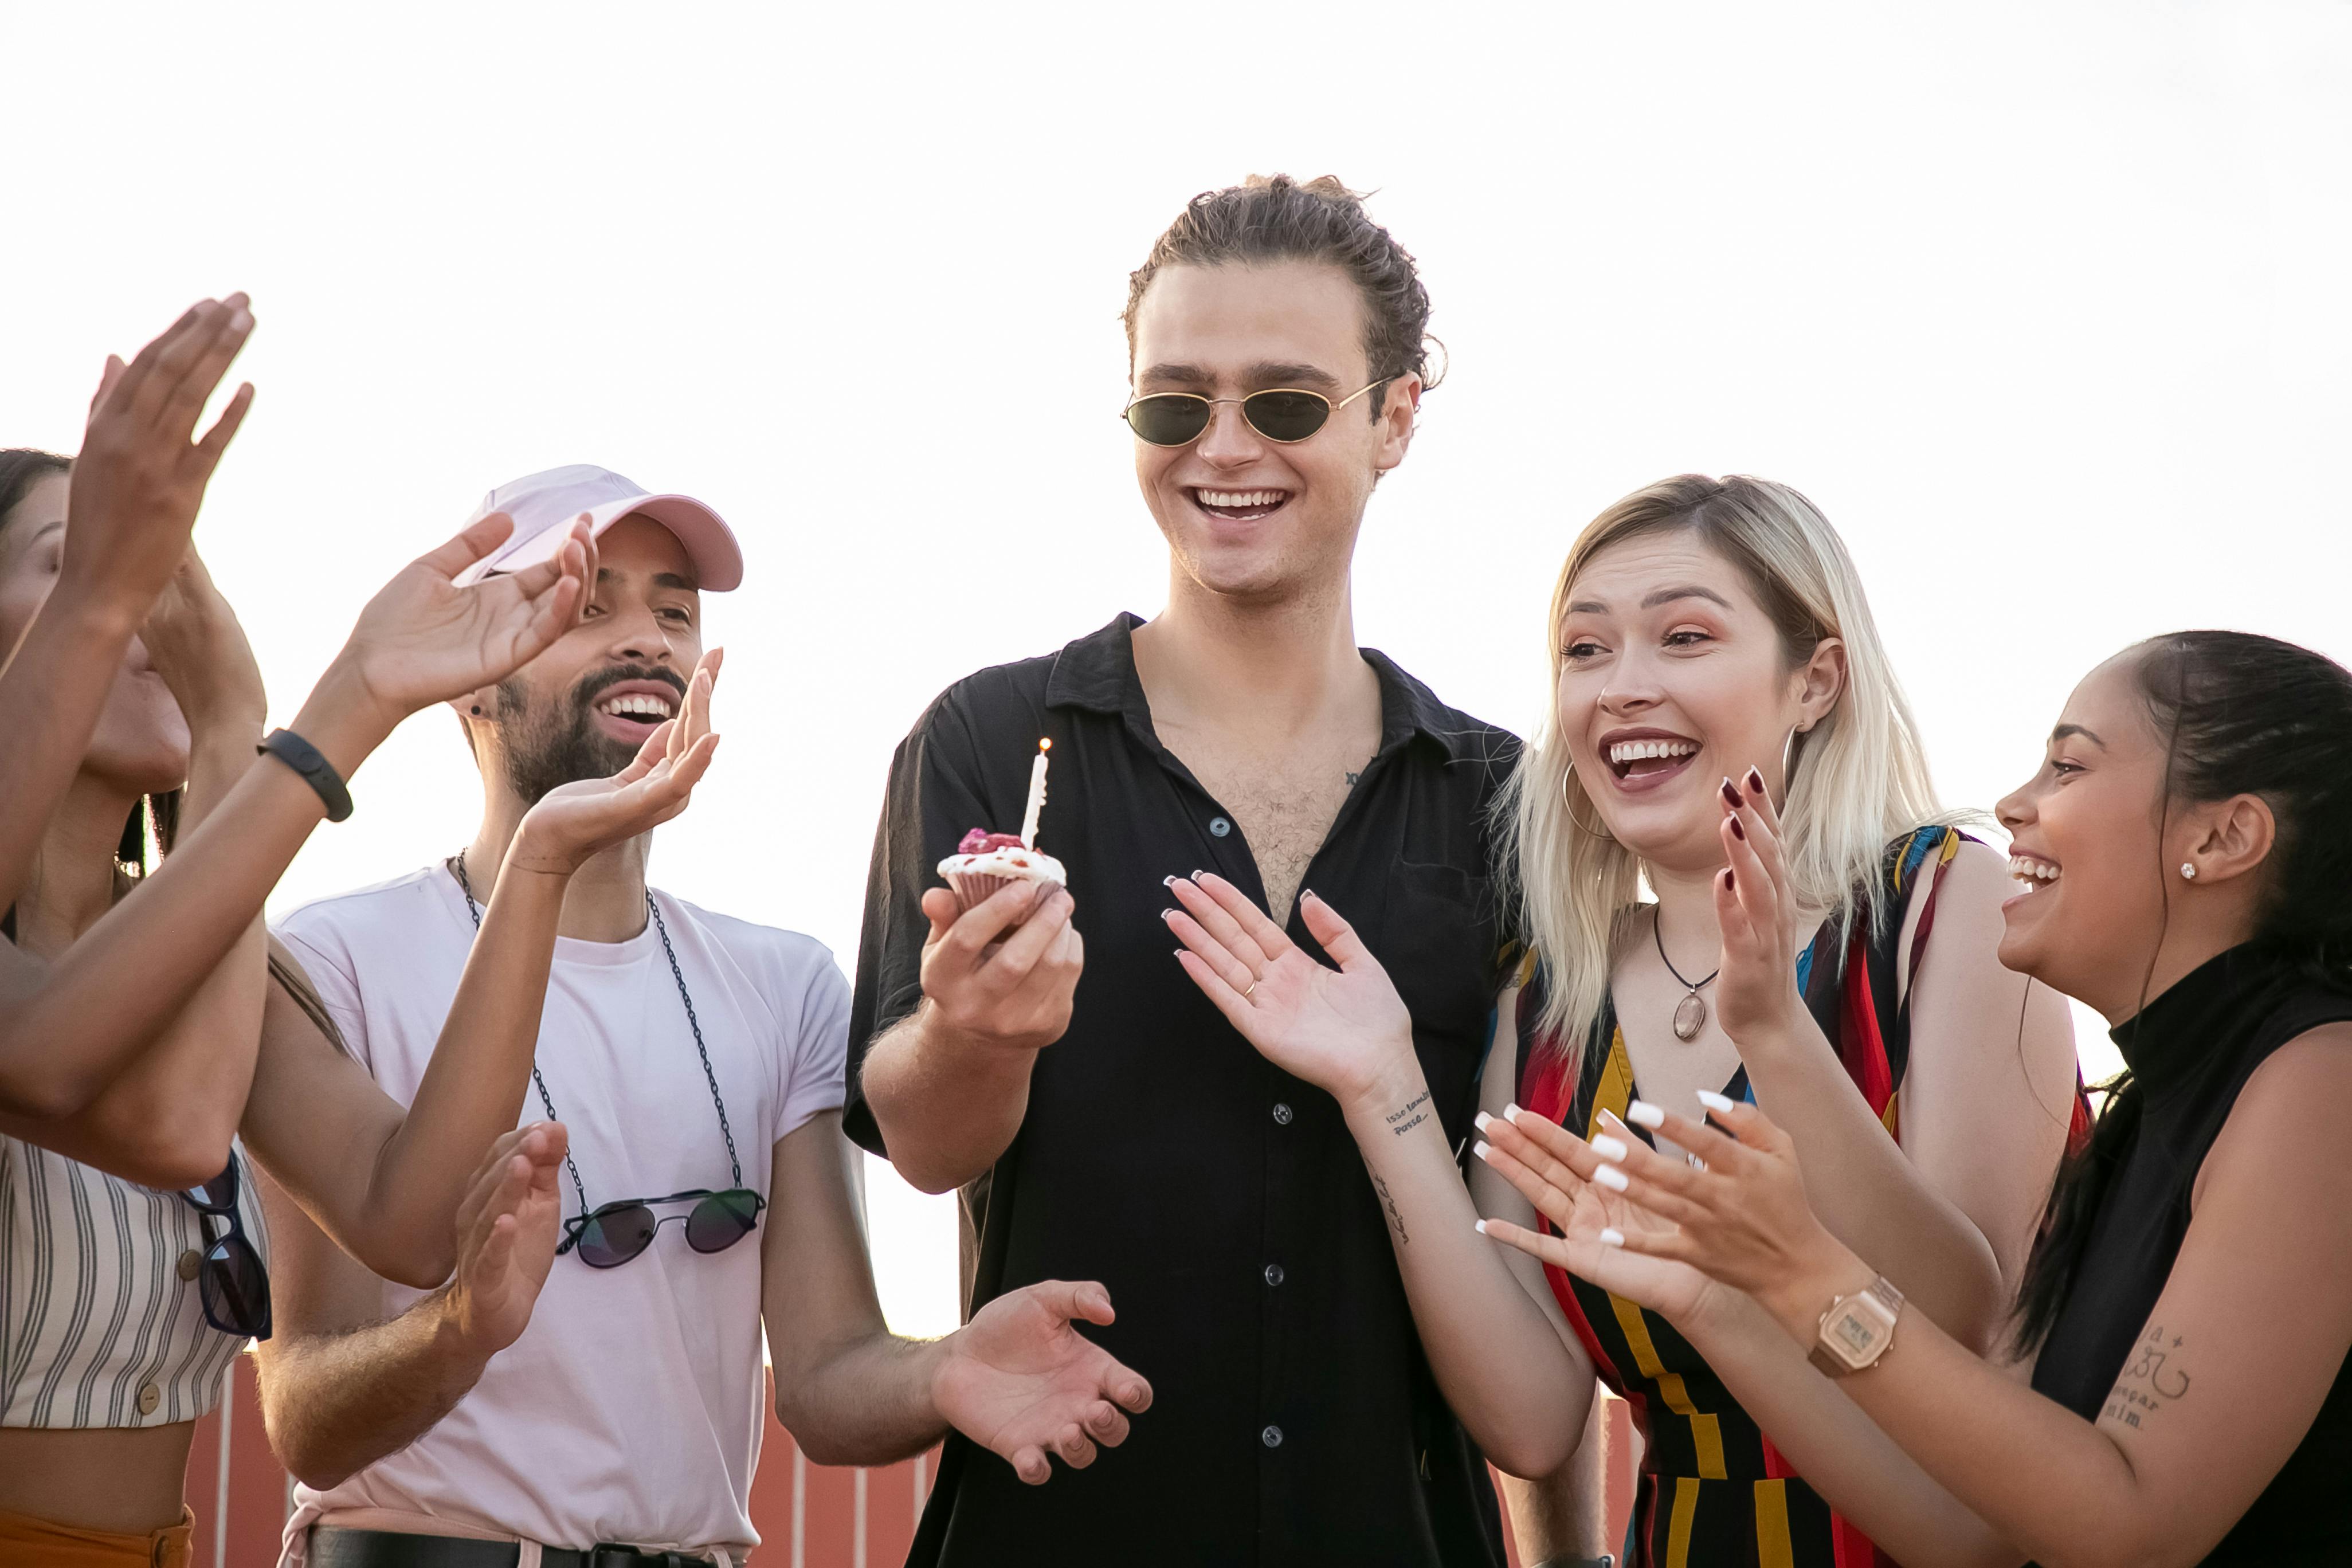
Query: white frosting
(1017,864)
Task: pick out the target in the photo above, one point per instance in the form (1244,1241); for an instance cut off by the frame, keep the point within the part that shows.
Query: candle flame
(1045,745)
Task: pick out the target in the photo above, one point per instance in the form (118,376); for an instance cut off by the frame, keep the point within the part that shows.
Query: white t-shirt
(631,1408)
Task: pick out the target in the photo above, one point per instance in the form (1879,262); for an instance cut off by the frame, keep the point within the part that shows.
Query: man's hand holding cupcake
(1003,972)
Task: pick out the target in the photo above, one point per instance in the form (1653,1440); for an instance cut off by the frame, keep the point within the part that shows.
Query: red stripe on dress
(1862,1048)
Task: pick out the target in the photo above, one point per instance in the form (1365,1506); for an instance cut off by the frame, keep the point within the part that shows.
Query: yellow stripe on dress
(1774,1547)
(1678,1528)
(1614,1093)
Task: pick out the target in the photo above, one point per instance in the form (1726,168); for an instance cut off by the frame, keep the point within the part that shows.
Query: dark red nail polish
(1737,831)
(1730,795)
(1756,781)
(1728,884)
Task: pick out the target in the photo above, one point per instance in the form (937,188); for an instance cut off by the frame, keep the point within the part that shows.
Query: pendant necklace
(1690,1013)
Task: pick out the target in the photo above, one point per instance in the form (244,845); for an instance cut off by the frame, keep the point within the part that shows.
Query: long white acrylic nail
(1613,1178)
(1713,1100)
(1644,1114)
(1613,1237)
(1609,1148)
(1480,1149)
(1481,1121)
(1480,1228)
(1512,1112)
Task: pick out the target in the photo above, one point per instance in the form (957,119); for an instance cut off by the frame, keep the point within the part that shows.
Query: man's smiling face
(1244,516)
(581,710)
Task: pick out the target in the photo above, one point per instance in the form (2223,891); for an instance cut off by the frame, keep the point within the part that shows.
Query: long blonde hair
(1856,781)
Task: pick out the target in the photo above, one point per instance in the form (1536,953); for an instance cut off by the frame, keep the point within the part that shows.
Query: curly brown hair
(1273,217)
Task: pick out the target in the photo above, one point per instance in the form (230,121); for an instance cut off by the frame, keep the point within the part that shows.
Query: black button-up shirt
(1220,1200)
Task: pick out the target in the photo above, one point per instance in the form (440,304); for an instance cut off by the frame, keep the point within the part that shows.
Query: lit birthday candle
(1036,796)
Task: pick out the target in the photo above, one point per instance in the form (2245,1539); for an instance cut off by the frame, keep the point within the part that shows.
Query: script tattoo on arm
(1396,1220)
(2147,1381)
(1409,1115)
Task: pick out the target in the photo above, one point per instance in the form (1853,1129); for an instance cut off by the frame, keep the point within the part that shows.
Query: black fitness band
(317,772)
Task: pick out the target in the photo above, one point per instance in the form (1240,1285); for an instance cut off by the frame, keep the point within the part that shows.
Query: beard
(547,745)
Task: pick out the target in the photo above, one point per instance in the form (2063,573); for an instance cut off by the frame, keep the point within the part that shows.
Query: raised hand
(140,479)
(574,822)
(1341,1030)
(1738,1215)
(196,645)
(1755,995)
(505,1236)
(1021,1382)
(1553,1168)
(422,639)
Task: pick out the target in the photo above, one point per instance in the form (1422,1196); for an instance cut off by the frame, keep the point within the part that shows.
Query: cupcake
(985,863)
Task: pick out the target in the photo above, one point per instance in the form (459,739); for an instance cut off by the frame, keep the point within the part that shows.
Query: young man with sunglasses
(696,1064)
(1276,343)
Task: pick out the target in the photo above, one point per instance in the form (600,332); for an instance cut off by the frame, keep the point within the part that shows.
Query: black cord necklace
(458,867)
(1690,1013)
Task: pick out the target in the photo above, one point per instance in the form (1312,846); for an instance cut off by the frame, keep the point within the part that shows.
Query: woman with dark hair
(2187,855)
(134,1260)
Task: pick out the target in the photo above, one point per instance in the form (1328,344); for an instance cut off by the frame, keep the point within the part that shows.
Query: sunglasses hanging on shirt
(231,1282)
(614,1233)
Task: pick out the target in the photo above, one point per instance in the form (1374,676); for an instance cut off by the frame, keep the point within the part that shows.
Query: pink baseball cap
(544,505)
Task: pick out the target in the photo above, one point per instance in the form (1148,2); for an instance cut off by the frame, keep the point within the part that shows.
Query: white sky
(2044,304)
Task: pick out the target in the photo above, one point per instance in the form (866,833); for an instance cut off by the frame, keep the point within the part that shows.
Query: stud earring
(2188,871)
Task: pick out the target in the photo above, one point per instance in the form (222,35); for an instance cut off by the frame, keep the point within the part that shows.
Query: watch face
(1853,1335)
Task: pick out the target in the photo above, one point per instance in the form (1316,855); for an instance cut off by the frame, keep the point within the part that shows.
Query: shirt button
(1220,827)
(1281,1114)
(1274,1273)
(151,1397)
(192,1263)
(1271,1436)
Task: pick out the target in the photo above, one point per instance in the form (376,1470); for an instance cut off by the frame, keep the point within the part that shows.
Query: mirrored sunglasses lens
(1168,420)
(235,1289)
(722,1220)
(609,1240)
(1286,415)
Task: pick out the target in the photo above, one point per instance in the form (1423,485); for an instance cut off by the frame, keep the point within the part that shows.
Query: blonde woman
(1726,734)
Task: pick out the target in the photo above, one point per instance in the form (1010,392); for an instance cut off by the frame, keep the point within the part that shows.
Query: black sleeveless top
(2190,1051)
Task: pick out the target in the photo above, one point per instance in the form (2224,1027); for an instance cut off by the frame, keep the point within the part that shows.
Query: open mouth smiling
(1238,505)
(632,710)
(1641,760)
(2034,873)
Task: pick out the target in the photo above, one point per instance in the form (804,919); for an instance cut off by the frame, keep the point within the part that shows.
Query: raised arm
(2220,1390)
(1515,1374)
(385,1182)
(1865,1186)
(135,490)
(67,1033)
(1019,1379)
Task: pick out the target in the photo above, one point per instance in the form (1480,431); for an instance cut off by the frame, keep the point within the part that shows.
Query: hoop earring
(1565,780)
(1789,755)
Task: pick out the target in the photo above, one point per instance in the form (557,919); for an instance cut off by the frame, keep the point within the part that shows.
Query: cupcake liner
(971,889)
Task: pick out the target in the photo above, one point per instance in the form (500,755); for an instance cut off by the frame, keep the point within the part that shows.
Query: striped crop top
(100,1320)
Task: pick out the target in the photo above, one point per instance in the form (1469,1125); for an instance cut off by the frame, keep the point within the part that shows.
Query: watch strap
(307,760)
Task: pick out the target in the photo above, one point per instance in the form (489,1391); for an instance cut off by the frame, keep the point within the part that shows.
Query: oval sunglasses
(1285,413)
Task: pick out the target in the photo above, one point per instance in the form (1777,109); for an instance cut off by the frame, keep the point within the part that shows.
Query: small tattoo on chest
(1353,777)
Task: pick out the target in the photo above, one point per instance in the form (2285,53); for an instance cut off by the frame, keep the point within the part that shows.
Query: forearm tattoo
(1388,1202)
(1409,1115)
(2151,1379)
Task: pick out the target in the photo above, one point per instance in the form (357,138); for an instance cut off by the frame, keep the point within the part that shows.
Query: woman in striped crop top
(1722,704)
(132,1257)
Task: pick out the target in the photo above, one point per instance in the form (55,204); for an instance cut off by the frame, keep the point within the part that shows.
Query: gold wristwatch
(1857,1329)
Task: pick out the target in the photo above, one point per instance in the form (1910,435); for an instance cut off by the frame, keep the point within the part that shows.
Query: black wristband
(317,772)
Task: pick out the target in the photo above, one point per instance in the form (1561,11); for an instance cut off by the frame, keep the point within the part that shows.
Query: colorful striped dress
(1713,1490)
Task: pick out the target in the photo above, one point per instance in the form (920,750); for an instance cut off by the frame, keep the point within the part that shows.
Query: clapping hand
(1340,1029)
(576,821)
(422,639)
(1021,1382)
(1763,929)
(196,645)
(1554,1170)
(139,479)
(505,1236)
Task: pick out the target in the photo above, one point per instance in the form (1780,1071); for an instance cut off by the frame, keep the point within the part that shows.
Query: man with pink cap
(696,1061)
